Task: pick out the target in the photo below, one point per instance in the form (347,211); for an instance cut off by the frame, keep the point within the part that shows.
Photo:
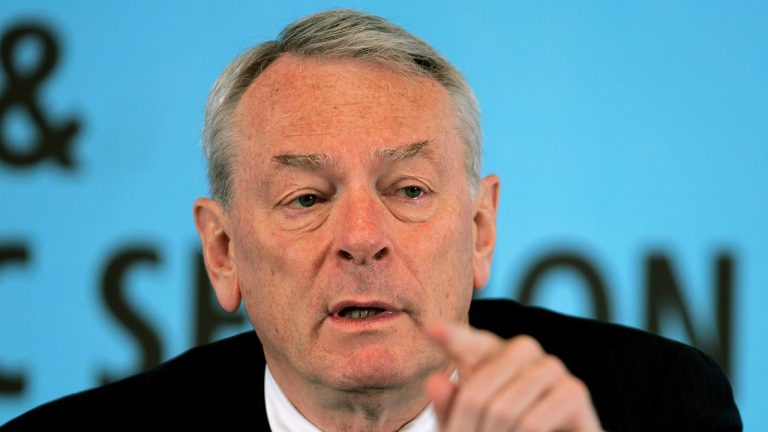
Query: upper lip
(338,307)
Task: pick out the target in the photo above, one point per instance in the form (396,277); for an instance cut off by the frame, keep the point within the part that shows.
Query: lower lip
(378,320)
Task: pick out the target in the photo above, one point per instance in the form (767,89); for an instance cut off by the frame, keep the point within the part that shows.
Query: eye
(307,200)
(412,192)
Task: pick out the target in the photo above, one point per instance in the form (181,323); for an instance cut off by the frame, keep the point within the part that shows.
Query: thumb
(441,390)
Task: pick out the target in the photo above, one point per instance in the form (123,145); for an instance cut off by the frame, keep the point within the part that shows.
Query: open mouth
(363,310)
(354,312)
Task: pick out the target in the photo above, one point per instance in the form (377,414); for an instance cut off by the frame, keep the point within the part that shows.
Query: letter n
(664,298)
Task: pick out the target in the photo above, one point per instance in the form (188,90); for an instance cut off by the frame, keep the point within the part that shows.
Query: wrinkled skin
(350,190)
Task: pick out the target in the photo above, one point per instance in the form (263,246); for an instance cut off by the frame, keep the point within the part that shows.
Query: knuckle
(553,365)
(526,343)
(577,388)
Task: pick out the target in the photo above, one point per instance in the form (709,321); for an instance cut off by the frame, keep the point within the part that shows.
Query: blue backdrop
(631,140)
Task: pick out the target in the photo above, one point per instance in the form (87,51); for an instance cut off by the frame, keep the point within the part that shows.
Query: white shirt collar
(284,417)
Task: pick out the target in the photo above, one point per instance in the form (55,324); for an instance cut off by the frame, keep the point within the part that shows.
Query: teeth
(362,313)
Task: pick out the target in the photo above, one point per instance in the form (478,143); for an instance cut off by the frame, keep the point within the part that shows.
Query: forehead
(299,104)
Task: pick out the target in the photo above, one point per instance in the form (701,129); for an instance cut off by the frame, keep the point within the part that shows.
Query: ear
(484,229)
(218,251)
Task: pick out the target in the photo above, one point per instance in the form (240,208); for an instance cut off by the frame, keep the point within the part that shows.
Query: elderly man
(348,214)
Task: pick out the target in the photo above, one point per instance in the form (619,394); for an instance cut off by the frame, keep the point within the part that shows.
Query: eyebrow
(320,161)
(420,148)
(307,161)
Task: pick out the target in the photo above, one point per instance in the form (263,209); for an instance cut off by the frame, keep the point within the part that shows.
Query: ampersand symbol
(53,140)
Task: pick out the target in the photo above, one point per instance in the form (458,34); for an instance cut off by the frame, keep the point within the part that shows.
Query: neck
(362,409)
(365,411)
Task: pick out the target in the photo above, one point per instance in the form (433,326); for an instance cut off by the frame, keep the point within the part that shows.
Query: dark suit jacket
(638,381)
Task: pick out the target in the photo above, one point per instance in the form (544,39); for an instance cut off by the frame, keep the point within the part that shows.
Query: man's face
(352,223)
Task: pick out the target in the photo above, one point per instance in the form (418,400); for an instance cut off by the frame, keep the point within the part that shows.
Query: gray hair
(341,34)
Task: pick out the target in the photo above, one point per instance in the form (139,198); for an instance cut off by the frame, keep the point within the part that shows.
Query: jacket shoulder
(189,389)
(637,380)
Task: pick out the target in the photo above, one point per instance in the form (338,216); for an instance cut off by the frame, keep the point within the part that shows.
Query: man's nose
(361,239)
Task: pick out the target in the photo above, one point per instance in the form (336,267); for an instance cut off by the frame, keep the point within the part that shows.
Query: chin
(378,368)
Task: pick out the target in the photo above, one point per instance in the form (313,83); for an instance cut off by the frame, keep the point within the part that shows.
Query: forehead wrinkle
(305,161)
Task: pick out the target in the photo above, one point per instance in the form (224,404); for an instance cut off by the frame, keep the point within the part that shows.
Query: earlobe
(217,247)
(485,229)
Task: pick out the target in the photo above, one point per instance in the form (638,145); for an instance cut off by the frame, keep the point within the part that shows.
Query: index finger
(467,346)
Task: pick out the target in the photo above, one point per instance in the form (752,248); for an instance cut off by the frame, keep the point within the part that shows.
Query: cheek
(458,257)
(259,272)
(456,237)
(267,295)
(275,272)
(443,263)
(266,256)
